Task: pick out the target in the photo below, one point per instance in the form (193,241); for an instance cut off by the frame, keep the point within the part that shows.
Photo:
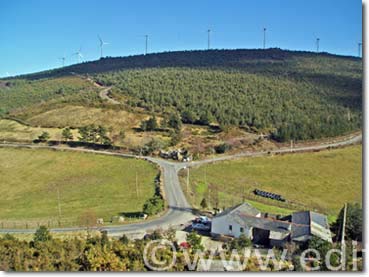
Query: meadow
(106,186)
(321,181)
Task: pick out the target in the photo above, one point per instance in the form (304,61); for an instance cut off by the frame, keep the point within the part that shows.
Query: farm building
(270,231)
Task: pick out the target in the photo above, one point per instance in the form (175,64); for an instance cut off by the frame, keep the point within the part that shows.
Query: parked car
(202,220)
(201,226)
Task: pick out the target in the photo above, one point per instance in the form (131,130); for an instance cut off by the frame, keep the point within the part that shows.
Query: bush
(67,134)
(153,205)
(42,234)
(222,148)
(45,136)
(149,125)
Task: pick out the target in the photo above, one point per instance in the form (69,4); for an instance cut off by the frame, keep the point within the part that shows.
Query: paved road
(179,211)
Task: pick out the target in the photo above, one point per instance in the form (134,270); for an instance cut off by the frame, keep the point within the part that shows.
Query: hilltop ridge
(215,58)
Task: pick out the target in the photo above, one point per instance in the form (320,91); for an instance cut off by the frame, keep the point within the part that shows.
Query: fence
(54,224)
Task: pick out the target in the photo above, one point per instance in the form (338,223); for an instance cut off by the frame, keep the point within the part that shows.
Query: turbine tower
(264,41)
(209,31)
(146,43)
(63,60)
(317,44)
(102,43)
(359,46)
(79,55)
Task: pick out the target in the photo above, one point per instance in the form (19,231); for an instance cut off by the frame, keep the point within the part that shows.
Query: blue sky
(35,33)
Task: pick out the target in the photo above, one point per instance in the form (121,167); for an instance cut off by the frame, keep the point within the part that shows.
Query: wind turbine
(63,60)
(146,43)
(79,55)
(360,44)
(317,44)
(264,40)
(102,43)
(209,32)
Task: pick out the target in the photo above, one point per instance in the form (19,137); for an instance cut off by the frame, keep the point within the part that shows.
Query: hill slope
(287,94)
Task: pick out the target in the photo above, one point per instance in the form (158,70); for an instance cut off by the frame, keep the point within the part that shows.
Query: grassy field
(14,131)
(106,185)
(323,181)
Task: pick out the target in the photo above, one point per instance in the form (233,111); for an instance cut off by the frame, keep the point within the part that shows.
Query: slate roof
(309,223)
(300,225)
(244,208)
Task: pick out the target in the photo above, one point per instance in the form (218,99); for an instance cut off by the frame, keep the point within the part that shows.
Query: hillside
(306,180)
(284,94)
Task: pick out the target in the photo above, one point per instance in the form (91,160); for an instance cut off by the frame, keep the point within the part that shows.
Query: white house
(266,230)
(230,221)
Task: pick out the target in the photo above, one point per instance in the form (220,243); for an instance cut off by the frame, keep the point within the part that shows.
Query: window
(230,228)
(241,230)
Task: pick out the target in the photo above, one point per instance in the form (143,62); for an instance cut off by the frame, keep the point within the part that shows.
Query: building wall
(220,225)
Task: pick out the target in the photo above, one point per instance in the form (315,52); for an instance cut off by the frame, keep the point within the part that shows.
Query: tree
(194,240)
(354,222)
(45,136)
(67,134)
(149,125)
(222,148)
(203,204)
(124,239)
(205,118)
(153,205)
(323,247)
(175,137)
(175,121)
(102,136)
(188,117)
(240,243)
(152,146)
(42,234)
(94,134)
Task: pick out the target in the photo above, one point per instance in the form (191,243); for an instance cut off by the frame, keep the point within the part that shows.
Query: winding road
(179,210)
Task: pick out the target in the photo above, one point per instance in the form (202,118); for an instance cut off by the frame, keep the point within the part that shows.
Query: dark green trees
(42,234)
(45,136)
(354,222)
(94,134)
(149,125)
(67,134)
(153,205)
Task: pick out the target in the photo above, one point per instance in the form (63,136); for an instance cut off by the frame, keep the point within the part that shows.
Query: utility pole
(359,46)
(59,207)
(264,41)
(343,245)
(146,43)
(205,176)
(188,179)
(317,45)
(291,145)
(209,39)
(137,185)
